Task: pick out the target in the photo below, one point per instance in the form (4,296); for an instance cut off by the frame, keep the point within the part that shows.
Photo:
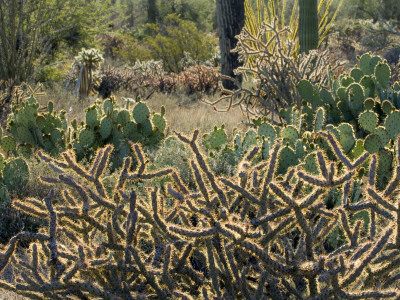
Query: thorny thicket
(275,72)
(255,236)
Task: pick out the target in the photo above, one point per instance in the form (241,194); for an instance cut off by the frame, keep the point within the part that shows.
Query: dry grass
(184,113)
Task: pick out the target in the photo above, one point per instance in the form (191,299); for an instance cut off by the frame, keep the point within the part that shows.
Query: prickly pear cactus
(32,129)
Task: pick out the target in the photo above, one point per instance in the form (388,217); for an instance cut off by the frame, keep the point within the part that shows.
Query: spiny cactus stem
(29,209)
(80,189)
(372,226)
(272,164)
(378,198)
(346,192)
(311,198)
(174,193)
(150,278)
(372,171)
(240,190)
(69,158)
(199,181)
(49,159)
(360,160)
(203,165)
(115,224)
(372,254)
(394,183)
(312,179)
(282,195)
(322,164)
(20,237)
(178,182)
(335,145)
(270,217)
(398,226)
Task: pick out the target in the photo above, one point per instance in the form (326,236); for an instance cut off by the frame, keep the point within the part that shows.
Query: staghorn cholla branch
(246,237)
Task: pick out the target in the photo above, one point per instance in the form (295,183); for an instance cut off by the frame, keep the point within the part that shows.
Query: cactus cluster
(106,123)
(255,235)
(366,87)
(32,129)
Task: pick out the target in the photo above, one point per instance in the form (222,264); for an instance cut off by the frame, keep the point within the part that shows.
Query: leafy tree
(171,40)
(34,31)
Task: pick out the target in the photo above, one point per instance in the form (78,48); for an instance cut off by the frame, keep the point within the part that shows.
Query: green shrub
(169,42)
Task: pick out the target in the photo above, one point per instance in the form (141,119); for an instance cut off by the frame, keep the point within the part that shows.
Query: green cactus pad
(8,143)
(392,124)
(16,174)
(25,151)
(347,138)
(385,160)
(4,195)
(159,122)
(216,139)
(87,138)
(131,132)
(326,97)
(140,112)
(123,117)
(117,137)
(357,150)
(108,106)
(2,162)
(56,137)
(356,74)
(346,81)
(372,143)
(341,92)
(364,64)
(387,107)
(287,158)
(310,164)
(91,117)
(383,134)
(290,133)
(382,74)
(308,93)
(355,94)
(369,86)
(105,127)
(79,150)
(369,104)
(375,60)
(319,119)
(249,140)
(50,107)
(333,130)
(26,115)
(24,135)
(267,130)
(145,128)
(368,120)
(299,148)
(265,149)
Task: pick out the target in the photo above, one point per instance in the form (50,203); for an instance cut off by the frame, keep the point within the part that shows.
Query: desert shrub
(169,42)
(147,77)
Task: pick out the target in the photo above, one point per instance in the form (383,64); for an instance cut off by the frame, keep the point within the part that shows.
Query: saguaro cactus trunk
(308,25)
(231,17)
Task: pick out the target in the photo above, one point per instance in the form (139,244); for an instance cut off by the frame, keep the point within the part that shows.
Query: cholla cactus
(87,61)
(249,237)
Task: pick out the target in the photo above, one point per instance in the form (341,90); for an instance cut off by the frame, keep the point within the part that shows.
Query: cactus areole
(308,25)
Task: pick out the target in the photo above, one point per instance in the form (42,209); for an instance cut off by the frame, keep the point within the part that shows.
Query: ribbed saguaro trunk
(308,25)
(230,16)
